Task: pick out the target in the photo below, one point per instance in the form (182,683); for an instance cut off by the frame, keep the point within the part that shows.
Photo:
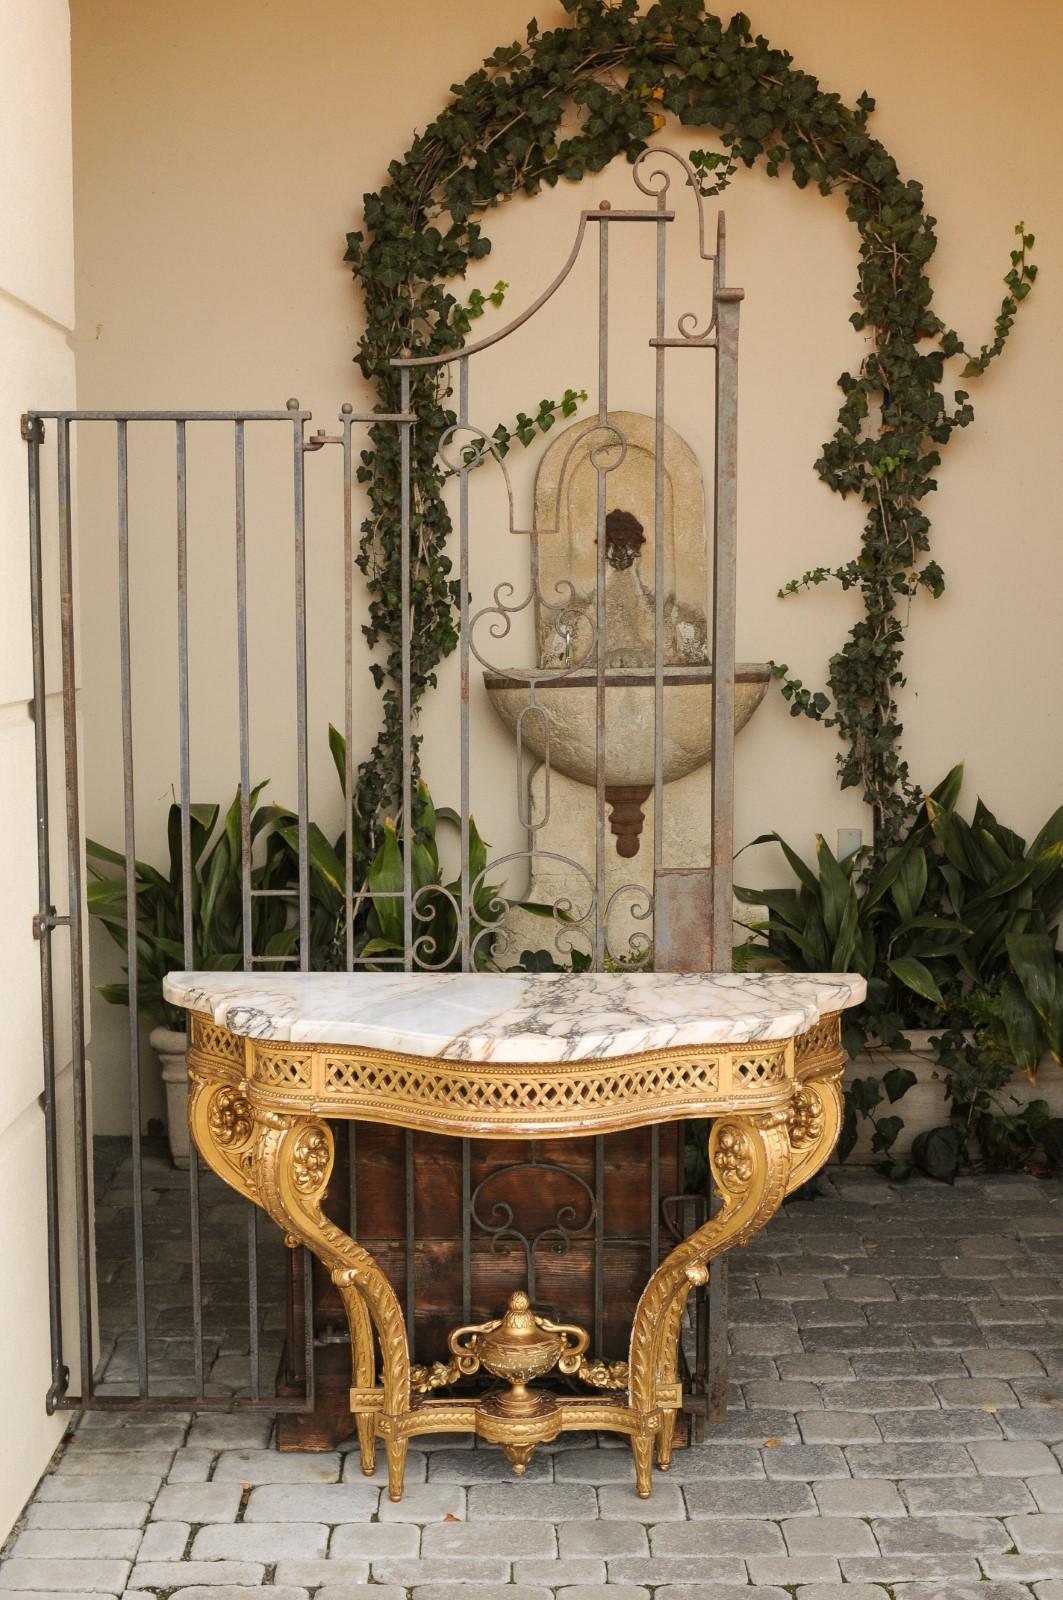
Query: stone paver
(198,1502)
(413,1572)
(373,1541)
(983,1497)
(425,1502)
(305,1502)
(40,1572)
(858,1497)
(1013,1458)
(96,1544)
(260,1541)
(607,1539)
(563,1571)
(172,1574)
(829,1536)
(896,1432)
(88,1514)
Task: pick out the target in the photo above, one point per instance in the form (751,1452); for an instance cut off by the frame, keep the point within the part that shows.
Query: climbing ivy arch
(623,72)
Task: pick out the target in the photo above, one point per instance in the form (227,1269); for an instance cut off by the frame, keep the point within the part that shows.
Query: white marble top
(515,1016)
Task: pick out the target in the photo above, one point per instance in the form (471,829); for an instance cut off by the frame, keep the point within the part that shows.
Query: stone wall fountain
(552,708)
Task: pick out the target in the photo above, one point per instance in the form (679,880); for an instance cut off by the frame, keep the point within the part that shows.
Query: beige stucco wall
(36,368)
(220,156)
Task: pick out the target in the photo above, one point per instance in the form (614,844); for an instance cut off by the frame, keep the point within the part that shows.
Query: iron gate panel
(718,337)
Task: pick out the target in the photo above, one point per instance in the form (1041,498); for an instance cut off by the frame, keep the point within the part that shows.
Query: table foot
(396,1453)
(642,1451)
(665,1440)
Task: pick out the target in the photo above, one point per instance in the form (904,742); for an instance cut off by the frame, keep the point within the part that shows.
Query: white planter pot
(924,1105)
(170,1047)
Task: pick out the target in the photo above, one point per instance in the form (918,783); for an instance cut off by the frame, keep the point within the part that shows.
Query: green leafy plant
(622,72)
(955,929)
(891,924)
(217,905)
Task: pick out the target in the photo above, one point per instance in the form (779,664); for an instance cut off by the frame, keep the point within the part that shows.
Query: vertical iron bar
(348,715)
(406,691)
(195,1220)
(724,602)
(723,626)
(302,785)
(466,1230)
(132,954)
(716,1342)
(310,1370)
(247,934)
(352,1178)
(241,667)
(658,552)
(182,691)
(82,1190)
(252,1299)
(599,1242)
(599,616)
(411,1236)
(463,645)
(302,776)
(33,432)
(655,1196)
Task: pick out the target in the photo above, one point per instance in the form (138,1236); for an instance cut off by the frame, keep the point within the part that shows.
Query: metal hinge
(31,428)
(59,1386)
(45,921)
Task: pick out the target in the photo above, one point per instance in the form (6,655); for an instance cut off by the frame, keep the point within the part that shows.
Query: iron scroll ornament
(501,1224)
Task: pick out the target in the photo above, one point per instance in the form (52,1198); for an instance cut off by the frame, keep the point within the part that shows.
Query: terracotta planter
(924,1105)
(170,1046)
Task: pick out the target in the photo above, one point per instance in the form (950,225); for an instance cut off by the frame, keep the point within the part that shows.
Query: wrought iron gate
(690,909)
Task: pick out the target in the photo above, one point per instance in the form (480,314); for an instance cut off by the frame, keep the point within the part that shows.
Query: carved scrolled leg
(642,1451)
(363,1361)
(222,1124)
(750,1157)
(396,1448)
(668,1369)
(292,1162)
(665,1440)
(814,1125)
(815,1111)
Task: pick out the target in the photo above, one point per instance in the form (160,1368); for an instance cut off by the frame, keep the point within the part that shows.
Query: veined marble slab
(515,1016)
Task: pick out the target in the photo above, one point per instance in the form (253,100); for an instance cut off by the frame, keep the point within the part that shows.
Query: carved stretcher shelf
(518,1056)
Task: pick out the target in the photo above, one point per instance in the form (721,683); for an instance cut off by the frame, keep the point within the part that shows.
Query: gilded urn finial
(520,1347)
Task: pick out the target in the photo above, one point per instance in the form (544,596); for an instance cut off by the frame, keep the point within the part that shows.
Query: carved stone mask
(624,538)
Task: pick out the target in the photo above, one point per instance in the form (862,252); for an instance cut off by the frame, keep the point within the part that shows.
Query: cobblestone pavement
(896,1429)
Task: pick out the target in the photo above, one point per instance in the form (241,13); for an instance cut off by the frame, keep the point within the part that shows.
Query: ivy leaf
(897,1081)
(938,1152)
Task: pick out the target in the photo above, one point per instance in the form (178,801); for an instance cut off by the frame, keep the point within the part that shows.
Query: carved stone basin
(567,721)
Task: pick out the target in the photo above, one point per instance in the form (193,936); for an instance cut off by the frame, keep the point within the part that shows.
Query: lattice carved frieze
(212,1039)
(574,1088)
(819,1046)
(760,1069)
(282,1069)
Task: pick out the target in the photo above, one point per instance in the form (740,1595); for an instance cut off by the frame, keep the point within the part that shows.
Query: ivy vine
(623,72)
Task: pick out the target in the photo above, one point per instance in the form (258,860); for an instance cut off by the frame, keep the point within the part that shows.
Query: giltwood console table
(513,1055)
